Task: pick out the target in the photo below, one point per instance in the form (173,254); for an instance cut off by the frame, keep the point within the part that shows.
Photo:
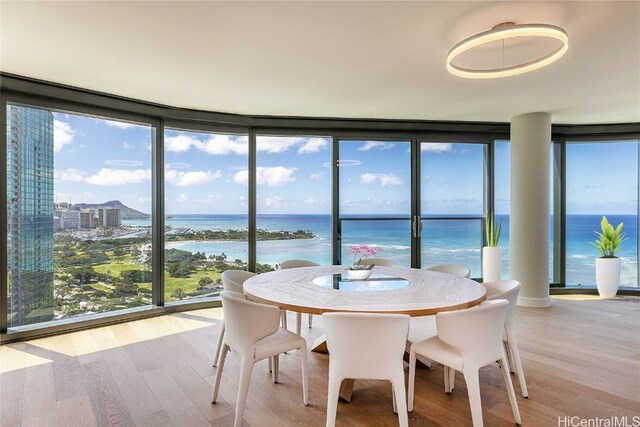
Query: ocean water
(442,241)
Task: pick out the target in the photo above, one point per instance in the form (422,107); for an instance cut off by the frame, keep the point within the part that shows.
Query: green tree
(178,294)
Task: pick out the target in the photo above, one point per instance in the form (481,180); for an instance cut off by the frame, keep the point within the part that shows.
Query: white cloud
(272,177)
(276,144)
(63,134)
(436,147)
(383,179)
(313,145)
(316,176)
(185,179)
(127,146)
(224,144)
(216,144)
(179,143)
(241,177)
(69,175)
(369,145)
(182,198)
(111,177)
(276,201)
(119,125)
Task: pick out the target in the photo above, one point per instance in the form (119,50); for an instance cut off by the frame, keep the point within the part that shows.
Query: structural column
(529,217)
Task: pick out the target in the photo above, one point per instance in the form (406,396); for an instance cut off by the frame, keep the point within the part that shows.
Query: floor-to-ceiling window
(375,199)
(80,197)
(78,208)
(452,186)
(602,180)
(206,211)
(293,199)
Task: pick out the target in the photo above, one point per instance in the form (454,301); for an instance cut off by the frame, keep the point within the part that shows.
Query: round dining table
(317,290)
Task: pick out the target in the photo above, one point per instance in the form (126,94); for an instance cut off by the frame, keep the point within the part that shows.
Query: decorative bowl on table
(359,274)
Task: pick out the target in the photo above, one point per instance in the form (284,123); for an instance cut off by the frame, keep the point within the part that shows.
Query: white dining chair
(253,331)
(378,261)
(366,346)
(297,263)
(232,281)
(453,269)
(467,340)
(509,289)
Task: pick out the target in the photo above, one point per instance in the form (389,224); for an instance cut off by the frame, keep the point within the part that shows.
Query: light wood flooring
(581,358)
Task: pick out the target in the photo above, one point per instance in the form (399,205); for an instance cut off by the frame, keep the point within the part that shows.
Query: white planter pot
(491,263)
(608,276)
(359,274)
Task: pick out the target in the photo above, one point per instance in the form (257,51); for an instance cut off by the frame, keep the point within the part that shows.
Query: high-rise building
(30,214)
(110,217)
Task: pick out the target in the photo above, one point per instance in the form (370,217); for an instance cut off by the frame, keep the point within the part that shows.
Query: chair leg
(472,379)
(512,393)
(216,355)
(332,399)
(276,368)
(452,379)
(298,323)
(310,320)
(393,398)
(447,386)
(243,388)
(510,359)
(216,383)
(412,378)
(400,399)
(283,313)
(270,360)
(512,344)
(305,375)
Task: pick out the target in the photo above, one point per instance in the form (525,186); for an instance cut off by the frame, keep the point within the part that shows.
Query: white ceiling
(327,59)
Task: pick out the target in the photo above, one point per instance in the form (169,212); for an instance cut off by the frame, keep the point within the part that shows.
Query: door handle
(417,226)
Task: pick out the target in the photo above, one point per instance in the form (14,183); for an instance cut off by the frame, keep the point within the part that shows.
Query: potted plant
(608,265)
(492,254)
(358,271)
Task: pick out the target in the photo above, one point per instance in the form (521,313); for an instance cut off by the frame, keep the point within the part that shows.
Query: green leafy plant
(609,240)
(492,230)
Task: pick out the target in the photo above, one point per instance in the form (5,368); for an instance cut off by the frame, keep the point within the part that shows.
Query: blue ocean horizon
(443,241)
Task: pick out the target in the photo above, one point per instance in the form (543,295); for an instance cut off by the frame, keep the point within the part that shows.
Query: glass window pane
(375,182)
(452,185)
(602,179)
(77,188)
(293,200)
(206,211)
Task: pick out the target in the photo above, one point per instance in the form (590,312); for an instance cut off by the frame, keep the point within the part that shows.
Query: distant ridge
(126,212)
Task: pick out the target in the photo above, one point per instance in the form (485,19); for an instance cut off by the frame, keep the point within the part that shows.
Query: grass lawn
(187,284)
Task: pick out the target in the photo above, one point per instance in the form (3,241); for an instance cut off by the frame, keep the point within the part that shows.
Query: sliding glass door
(374,207)
(452,203)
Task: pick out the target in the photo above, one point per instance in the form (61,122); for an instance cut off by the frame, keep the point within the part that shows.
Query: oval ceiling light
(504,31)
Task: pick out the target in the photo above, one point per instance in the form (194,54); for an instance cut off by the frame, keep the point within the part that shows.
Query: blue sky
(98,160)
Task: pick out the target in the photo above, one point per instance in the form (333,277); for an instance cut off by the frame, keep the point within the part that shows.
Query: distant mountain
(125,211)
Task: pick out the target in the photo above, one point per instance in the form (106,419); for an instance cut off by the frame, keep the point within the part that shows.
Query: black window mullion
(157,214)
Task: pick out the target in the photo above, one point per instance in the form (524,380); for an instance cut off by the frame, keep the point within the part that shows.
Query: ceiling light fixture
(504,31)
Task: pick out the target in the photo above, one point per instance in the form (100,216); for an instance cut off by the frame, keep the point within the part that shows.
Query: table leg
(320,345)
(346,389)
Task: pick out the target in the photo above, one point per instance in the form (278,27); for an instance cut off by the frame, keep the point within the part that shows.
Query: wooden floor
(581,358)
